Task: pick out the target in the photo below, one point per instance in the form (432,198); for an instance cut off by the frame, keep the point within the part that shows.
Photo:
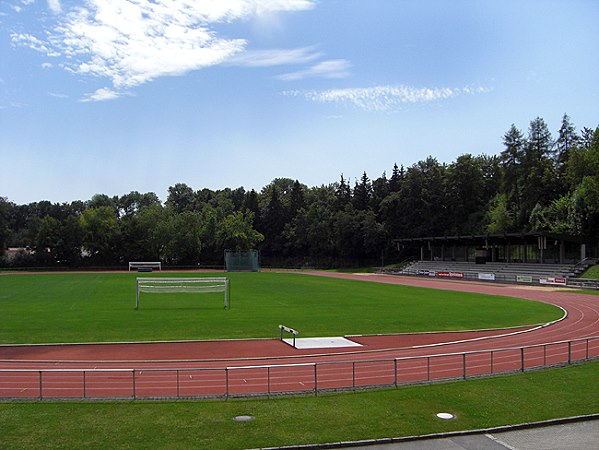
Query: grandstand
(534,258)
(493,271)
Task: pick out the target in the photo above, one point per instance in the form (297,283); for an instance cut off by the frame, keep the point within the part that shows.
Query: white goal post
(145,265)
(197,285)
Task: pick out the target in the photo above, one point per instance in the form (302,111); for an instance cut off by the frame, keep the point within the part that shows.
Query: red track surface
(212,368)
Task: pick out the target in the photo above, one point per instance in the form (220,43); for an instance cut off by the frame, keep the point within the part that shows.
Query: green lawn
(404,411)
(99,307)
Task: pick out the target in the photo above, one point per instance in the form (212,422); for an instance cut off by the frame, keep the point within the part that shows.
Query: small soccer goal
(183,285)
(245,261)
(145,266)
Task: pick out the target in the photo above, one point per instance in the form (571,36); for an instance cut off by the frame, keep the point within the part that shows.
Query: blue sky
(111,96)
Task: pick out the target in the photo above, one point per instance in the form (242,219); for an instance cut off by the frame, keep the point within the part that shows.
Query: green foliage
(181,198)
(4,224)
(236,232)
(586,207)
(362,193)
(466,194)
(184,243)
(48,239)
(558,217)
(100,232)
(499,217)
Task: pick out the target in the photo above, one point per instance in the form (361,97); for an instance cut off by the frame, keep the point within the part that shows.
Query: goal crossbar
(182,285)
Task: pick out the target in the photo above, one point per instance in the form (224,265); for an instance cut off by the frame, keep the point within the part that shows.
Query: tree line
(537,183)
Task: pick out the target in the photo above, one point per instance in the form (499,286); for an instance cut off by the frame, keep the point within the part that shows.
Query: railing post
(395,370)
(84,385)
(40,378)
(569,352)
(268,379)
(178,384)
(353,374)
(134,391)
(522,357)
(492,354)
(544,355)
(315,380)
(428,368)
(226,382)
(464,363)
(587,352)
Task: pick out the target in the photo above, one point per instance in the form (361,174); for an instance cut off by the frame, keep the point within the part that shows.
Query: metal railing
(508,278)
(583,283)
(269,380)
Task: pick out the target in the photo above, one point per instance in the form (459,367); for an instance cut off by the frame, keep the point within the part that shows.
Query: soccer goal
(145,266)
(244,261)
(183,285)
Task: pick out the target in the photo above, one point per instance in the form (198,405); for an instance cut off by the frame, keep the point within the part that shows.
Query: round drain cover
(243,418)
(445,416)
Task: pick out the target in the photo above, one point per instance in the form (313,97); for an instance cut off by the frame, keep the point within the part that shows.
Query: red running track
(268,366)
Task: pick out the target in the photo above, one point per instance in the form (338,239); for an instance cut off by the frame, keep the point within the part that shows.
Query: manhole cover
(243,418)
(445,416)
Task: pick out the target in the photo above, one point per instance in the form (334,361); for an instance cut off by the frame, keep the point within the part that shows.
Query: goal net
(182,285)
(245,261)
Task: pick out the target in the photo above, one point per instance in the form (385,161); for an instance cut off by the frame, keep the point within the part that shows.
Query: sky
(114,96)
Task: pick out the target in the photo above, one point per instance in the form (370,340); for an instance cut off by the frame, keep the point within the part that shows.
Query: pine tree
(540,142)
(395,180)
(511,162)
(342,194)
(567,140)
(297,199)
(538,179)
(380,190)
(362,193)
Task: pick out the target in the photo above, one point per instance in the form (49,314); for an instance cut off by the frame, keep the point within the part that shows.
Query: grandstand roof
(503,237)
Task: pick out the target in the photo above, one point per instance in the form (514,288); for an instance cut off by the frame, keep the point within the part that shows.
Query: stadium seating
(506,272)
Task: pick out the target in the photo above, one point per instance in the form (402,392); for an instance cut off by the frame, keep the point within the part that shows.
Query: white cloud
(101,94)
(385,98)
(335,68)
(28,40)
(55,6)
(132,42)
(275,57)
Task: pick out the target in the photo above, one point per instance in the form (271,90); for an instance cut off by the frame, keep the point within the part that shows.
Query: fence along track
(285,379)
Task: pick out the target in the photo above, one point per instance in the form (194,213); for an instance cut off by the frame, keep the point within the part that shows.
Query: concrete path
(572,436)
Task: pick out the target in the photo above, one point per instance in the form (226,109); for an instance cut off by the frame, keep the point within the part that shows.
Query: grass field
(404,411)
(99,307)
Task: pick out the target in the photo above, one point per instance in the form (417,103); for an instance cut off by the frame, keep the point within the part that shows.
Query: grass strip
(592,272)
(405,411)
